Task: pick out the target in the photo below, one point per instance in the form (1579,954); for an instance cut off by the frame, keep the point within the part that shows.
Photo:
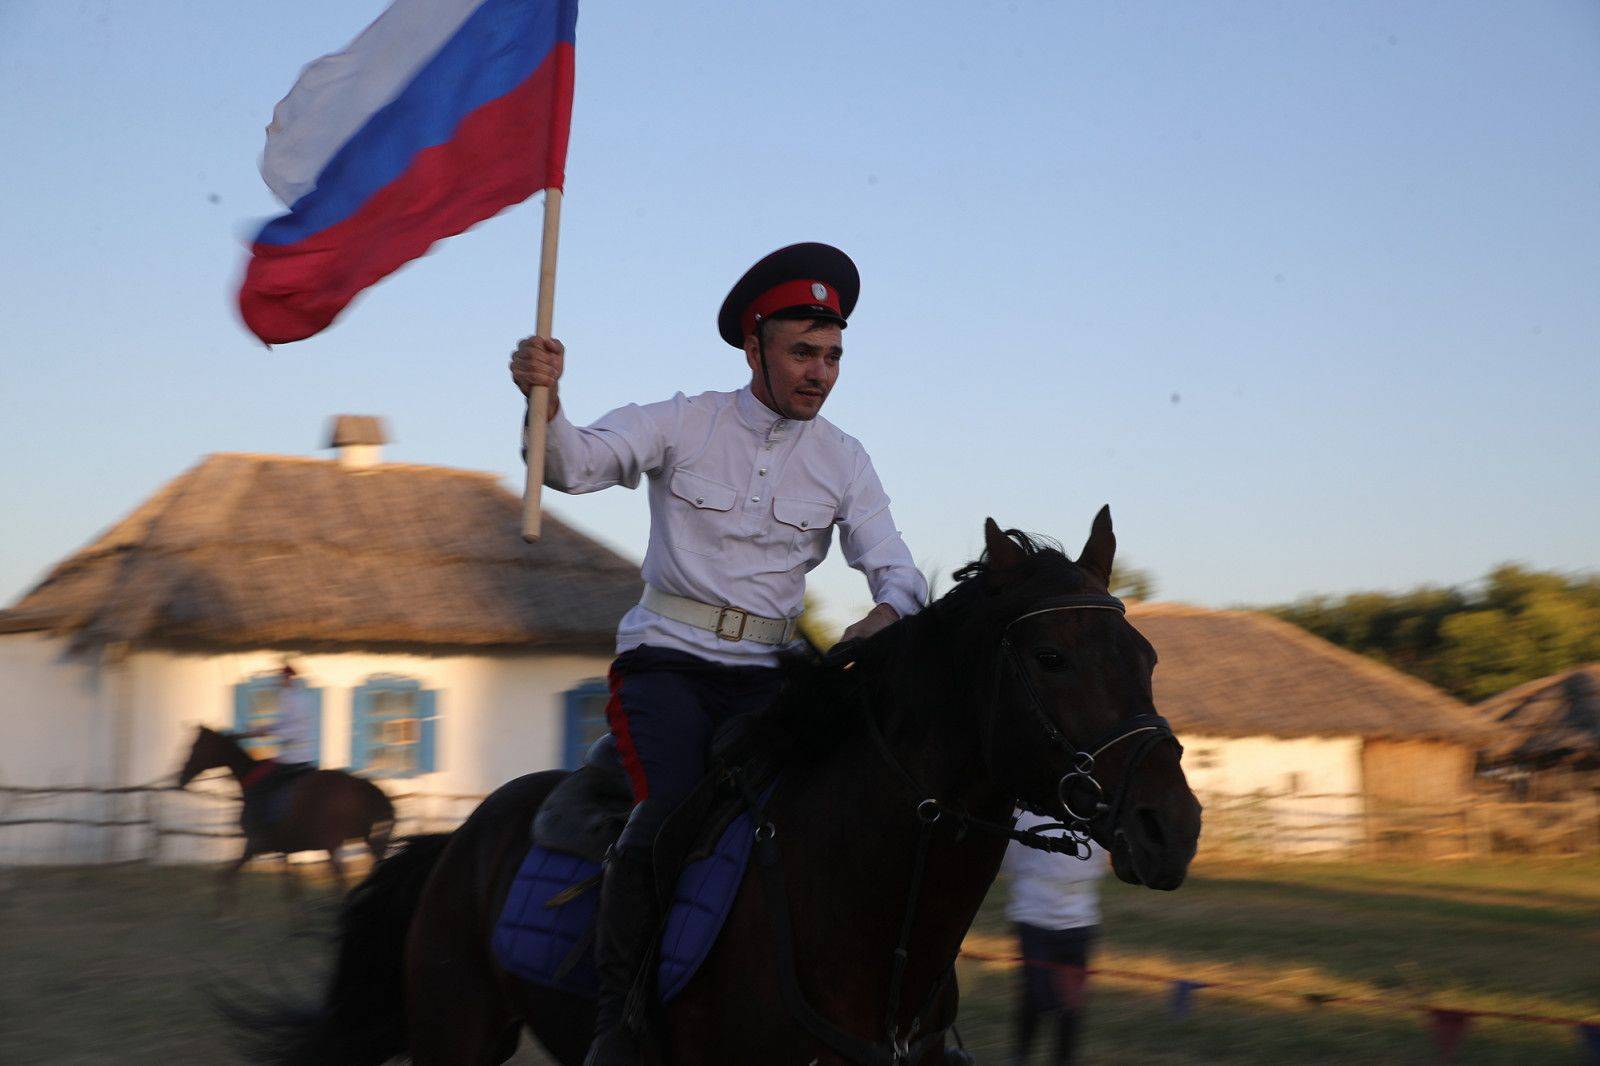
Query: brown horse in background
(1025,684)
(323,808)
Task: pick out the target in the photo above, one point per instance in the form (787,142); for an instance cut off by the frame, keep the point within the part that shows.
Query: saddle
(584,815)
(266,799)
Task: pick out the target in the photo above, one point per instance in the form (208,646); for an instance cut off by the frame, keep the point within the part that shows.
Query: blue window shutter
(360,709)
(316,734)
(585,720)
(572,755)
(427,707)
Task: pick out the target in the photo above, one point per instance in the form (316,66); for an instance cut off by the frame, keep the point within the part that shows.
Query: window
(255,706)
(393,724)
(586,720)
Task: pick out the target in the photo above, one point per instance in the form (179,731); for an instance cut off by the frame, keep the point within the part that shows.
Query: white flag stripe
(335,95)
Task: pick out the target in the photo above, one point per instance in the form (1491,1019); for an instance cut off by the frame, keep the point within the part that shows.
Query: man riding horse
(294,728)
(745,490)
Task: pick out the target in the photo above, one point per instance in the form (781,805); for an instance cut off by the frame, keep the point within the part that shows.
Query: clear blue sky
(1309,292)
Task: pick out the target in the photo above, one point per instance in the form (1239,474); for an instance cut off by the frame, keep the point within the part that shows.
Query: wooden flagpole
(539,396)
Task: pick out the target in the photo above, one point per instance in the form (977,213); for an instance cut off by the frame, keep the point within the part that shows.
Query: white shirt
(296,727)
(1052,891)
(743,504)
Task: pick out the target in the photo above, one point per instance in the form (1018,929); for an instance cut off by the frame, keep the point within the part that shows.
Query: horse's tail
(362,1019)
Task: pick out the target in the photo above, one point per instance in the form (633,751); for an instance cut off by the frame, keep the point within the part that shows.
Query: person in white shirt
(1054,904)
(746,489)
(294,728)
(296,725)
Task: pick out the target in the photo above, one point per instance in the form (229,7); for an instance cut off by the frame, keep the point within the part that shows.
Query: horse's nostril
(1150,826)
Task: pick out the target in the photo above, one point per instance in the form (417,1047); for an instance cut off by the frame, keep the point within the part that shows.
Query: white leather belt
(729,623)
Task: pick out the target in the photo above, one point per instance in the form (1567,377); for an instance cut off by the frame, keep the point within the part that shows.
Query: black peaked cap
(810,261)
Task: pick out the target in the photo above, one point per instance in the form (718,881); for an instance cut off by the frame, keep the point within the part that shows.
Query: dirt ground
(118,965)
(101,966)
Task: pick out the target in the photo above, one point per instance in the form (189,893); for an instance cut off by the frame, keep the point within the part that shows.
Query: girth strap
(848,1045)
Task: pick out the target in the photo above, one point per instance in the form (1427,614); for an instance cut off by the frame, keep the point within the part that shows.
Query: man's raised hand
(539,361)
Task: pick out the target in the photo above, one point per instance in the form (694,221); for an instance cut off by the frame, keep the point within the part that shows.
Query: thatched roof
(1239,673)
(1552,720)
(265,550)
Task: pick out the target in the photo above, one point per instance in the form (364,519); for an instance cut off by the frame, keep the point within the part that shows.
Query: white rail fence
(146,823)
(1268,825)
(85,824)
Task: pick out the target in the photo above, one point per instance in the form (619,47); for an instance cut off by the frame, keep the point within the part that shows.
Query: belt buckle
(722,623)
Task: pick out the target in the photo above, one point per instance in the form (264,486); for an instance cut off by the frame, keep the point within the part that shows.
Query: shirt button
(755,499)
(762,471)
(700,499)
(804,523)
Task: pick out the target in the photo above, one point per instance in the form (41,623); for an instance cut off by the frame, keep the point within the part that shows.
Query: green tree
(1132,583)
(1517,625)
(814,627)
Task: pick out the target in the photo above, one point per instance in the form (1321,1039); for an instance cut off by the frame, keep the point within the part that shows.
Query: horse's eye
(1048,658)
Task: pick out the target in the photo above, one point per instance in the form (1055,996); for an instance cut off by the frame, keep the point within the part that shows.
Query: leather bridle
(1151,728)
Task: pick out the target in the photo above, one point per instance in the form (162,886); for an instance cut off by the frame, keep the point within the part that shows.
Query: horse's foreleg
(336,867)
(291,879)
(228,881)
(378,838)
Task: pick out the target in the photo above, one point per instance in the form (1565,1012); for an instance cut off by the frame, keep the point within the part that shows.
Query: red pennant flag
(1069,984)
(1449,1026)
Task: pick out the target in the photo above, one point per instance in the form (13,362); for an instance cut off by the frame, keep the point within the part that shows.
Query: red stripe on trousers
(617,719)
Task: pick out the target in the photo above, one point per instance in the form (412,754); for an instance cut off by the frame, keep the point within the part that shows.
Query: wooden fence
(147,823)
(1266,825)
(82,824)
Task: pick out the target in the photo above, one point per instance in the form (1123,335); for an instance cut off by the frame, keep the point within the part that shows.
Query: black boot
(625,924)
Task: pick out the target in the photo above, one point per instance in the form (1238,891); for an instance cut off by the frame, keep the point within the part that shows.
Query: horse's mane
(822,704)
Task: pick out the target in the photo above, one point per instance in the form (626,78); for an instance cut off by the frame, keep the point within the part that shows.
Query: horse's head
(1074,730)
(210,750)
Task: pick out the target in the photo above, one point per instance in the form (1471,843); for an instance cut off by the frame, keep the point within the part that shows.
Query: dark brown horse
(887,828)
(321,809)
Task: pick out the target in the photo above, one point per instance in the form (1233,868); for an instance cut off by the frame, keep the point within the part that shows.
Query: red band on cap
(798,293)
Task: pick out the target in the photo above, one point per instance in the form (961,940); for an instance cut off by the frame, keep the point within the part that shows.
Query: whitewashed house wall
(1315,784)
(53,714)
(81,720)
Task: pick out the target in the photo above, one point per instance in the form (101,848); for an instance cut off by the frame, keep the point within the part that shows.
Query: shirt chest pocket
(808,524)
(699,514)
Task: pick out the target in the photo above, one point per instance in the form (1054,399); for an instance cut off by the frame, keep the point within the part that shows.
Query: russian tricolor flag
(439,115)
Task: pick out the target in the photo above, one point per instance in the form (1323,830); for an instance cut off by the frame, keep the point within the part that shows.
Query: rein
(1151,728)
(898,1048)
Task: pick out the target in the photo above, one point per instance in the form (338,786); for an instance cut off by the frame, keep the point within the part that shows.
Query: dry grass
(114,965)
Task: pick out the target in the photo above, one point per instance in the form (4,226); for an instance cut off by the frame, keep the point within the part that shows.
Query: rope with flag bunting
(1448,1025)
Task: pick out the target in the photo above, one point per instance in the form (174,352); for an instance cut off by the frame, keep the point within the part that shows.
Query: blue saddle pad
(551,945)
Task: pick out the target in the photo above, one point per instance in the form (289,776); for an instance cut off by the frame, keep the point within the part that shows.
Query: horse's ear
(1100,548)
(1001,553)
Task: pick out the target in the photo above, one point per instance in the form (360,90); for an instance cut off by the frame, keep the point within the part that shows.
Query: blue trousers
(665,707)
(1046,991)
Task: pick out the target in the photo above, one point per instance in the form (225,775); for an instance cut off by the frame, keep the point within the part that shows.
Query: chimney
(359,440)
